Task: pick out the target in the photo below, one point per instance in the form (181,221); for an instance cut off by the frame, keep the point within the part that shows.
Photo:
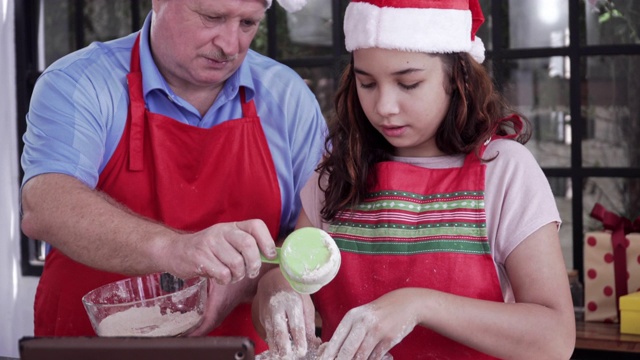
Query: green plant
(623,22)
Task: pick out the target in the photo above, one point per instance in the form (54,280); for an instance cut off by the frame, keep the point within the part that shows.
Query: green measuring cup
(309,259)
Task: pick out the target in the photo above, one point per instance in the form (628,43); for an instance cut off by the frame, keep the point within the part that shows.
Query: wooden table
(593,338)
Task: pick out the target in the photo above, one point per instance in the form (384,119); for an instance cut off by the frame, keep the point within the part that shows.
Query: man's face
(202,42)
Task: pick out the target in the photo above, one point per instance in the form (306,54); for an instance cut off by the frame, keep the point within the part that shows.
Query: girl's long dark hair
(353,146)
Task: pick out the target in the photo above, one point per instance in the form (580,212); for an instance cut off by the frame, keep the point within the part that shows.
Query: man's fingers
(225,263)
(259,231)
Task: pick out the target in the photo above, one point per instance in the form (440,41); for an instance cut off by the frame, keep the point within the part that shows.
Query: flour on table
(314,353)
(147,321)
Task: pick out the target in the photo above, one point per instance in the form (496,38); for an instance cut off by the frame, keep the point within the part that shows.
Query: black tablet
(149,348)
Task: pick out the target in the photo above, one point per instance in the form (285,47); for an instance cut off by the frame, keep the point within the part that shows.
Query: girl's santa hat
(430,26)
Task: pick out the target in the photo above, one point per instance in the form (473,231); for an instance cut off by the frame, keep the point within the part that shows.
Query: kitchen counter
(595,340)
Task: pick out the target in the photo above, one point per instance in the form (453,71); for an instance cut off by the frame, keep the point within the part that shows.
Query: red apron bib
(418,227)
(186,177)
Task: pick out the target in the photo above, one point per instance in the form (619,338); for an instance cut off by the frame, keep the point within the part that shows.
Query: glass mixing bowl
(147,306)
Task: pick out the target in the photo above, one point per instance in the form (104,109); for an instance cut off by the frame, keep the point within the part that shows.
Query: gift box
(611,265)
(630,314)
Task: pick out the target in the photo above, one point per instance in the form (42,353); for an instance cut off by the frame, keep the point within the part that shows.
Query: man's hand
(225,252)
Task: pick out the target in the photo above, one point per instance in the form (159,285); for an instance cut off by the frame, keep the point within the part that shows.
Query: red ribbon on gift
(620,227)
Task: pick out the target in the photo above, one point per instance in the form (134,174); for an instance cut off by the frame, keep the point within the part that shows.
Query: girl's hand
(288,318)
(371,330)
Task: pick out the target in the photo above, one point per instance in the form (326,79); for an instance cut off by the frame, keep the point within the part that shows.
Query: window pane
(539,89)
(56,35)
(486,29)
(307,32)
(260,42)
(321,82)
(106,19)
(547,19)
(612,22)
(561,188)
(611,112)
(102,20)
(145,7)
(618,195)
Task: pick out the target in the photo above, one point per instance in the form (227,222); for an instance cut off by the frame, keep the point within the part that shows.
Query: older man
(174,149)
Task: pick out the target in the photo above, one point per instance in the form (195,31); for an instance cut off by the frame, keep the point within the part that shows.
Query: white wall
(16,292)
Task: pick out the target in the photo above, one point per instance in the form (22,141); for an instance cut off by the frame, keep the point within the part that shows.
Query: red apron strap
(137,110)
(248,108)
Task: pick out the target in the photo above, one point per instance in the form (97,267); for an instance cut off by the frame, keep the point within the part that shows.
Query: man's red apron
(418,227)
(186,177)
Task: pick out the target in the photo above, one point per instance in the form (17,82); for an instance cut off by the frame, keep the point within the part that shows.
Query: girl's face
(403,95)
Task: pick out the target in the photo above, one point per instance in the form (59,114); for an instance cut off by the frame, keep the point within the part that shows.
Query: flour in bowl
(148,321)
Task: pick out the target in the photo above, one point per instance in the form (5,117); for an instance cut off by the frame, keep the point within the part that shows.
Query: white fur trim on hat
(290,5)
(429,30)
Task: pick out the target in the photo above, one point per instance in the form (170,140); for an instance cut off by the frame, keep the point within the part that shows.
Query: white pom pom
(292,5)
(477,50)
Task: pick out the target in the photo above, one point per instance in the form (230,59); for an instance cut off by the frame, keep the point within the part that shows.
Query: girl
(446,224)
